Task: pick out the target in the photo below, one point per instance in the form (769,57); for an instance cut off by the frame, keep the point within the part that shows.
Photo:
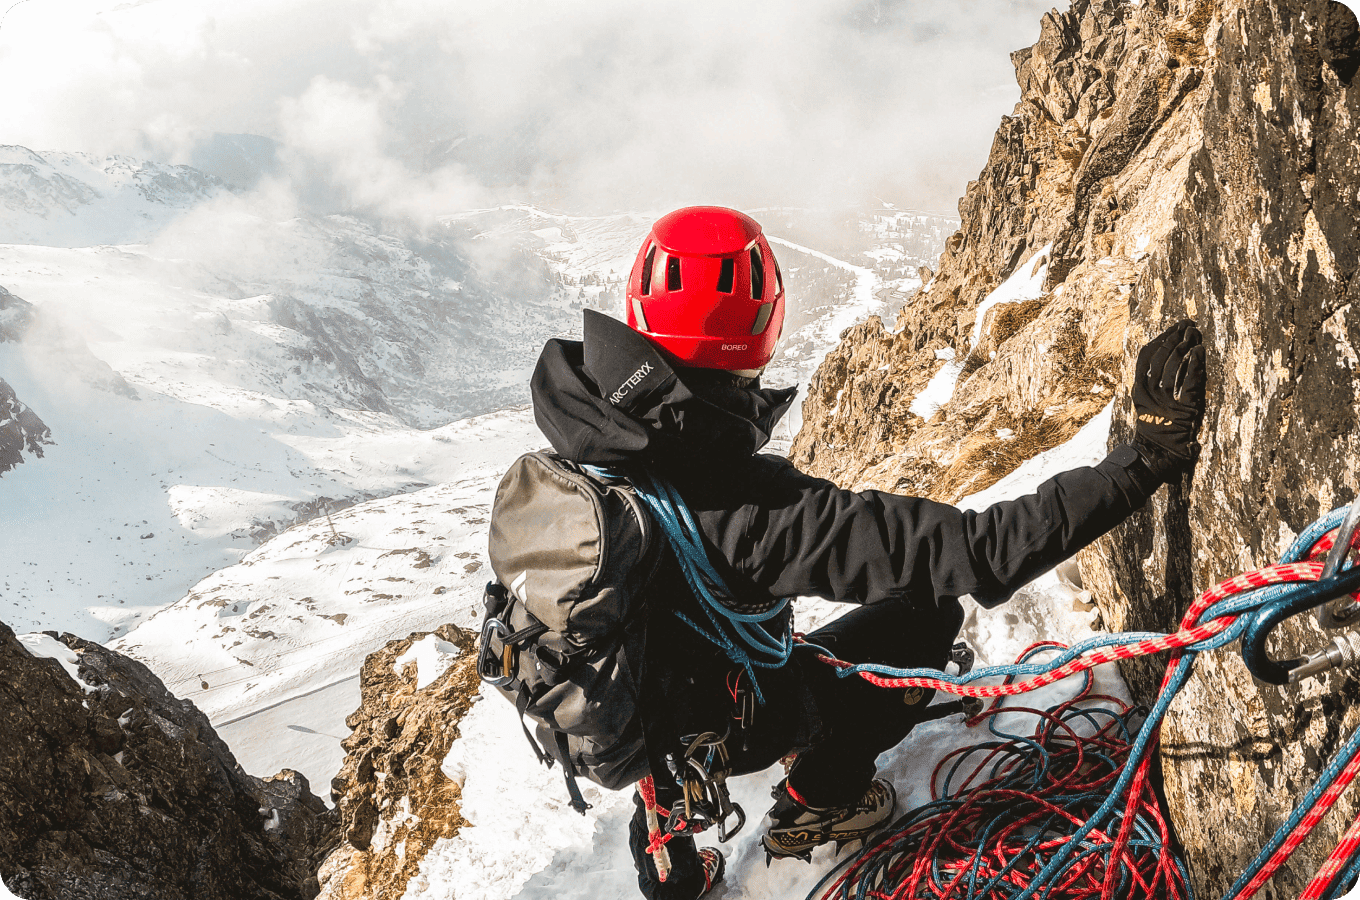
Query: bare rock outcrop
(393,798)
(22,434)
(1168,158)
(113,789)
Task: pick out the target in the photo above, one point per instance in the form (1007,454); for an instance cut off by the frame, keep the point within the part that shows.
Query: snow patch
(42,646)
(939,389)
(431,656)
(1025,283)
(1086,448)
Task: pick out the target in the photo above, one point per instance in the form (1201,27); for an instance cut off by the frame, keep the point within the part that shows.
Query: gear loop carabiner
(495,669)
(703,785)
(1264,621)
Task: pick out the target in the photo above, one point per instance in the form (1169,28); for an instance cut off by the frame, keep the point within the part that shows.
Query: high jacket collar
(615,398)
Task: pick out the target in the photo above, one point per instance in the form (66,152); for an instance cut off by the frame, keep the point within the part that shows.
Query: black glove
(1168,400)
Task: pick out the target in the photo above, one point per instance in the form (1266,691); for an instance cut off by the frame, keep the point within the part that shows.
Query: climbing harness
(1068,811)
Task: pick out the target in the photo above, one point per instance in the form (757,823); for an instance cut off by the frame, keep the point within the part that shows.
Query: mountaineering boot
(796,828)
(714,866)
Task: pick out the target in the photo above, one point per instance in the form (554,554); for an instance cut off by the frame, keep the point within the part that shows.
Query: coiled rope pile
(1069,812)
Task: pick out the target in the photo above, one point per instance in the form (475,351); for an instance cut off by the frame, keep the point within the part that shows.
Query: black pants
(839,726)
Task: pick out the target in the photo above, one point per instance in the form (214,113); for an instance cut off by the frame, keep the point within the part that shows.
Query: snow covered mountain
(78,200)
(213,367)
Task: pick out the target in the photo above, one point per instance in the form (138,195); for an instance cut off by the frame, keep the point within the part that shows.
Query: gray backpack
(573,551)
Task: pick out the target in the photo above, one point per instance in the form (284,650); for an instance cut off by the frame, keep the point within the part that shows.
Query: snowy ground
(299,733)
(526,843)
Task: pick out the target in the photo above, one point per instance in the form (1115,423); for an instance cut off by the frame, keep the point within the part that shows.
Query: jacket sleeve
(814,539)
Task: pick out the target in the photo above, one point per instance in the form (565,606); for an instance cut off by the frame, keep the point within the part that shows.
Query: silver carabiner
(495,671)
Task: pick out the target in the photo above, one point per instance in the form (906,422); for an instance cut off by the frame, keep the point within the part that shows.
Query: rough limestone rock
(394,800)
(1168,158)
(124,792)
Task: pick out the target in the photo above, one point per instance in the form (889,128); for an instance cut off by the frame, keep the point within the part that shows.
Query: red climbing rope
(1350,843)
(1037,816)
(657,837)
(1188,635)
(1005,806)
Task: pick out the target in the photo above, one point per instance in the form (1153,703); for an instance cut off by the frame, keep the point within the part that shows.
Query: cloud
(346,131)
(420,106)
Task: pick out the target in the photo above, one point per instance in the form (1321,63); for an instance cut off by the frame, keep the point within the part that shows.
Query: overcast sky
(427,106)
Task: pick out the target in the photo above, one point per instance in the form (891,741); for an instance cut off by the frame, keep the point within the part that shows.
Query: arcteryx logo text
(633,380)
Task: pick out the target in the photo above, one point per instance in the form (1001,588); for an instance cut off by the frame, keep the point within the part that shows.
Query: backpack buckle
(495,669)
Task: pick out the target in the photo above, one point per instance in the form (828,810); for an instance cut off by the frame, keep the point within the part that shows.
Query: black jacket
(614,399)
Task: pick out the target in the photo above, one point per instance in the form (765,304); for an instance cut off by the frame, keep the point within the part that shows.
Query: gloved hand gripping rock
(1168,400)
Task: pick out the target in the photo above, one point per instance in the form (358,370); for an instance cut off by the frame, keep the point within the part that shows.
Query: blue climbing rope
(741,636)
(1032,875)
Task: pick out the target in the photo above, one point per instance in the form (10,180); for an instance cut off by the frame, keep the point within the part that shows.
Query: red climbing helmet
(706,288)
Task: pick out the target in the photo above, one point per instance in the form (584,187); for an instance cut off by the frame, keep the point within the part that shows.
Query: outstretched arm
(816,539)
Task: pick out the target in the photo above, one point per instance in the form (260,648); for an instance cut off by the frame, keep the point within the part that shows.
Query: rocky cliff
(113,789)
(22,433)
(394,800)
(1168,158)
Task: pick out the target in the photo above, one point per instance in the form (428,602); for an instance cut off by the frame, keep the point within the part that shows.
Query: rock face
(118,790)
(394,800)
(1167,159)
(22,433)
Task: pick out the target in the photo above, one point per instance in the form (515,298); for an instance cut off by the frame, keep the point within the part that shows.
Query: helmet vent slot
(647,270)
(727,275)
(762,318)
(639,317)
(778,277)
(757,275)
(673,273)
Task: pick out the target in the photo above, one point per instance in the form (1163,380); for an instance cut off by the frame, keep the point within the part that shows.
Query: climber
(677,389)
